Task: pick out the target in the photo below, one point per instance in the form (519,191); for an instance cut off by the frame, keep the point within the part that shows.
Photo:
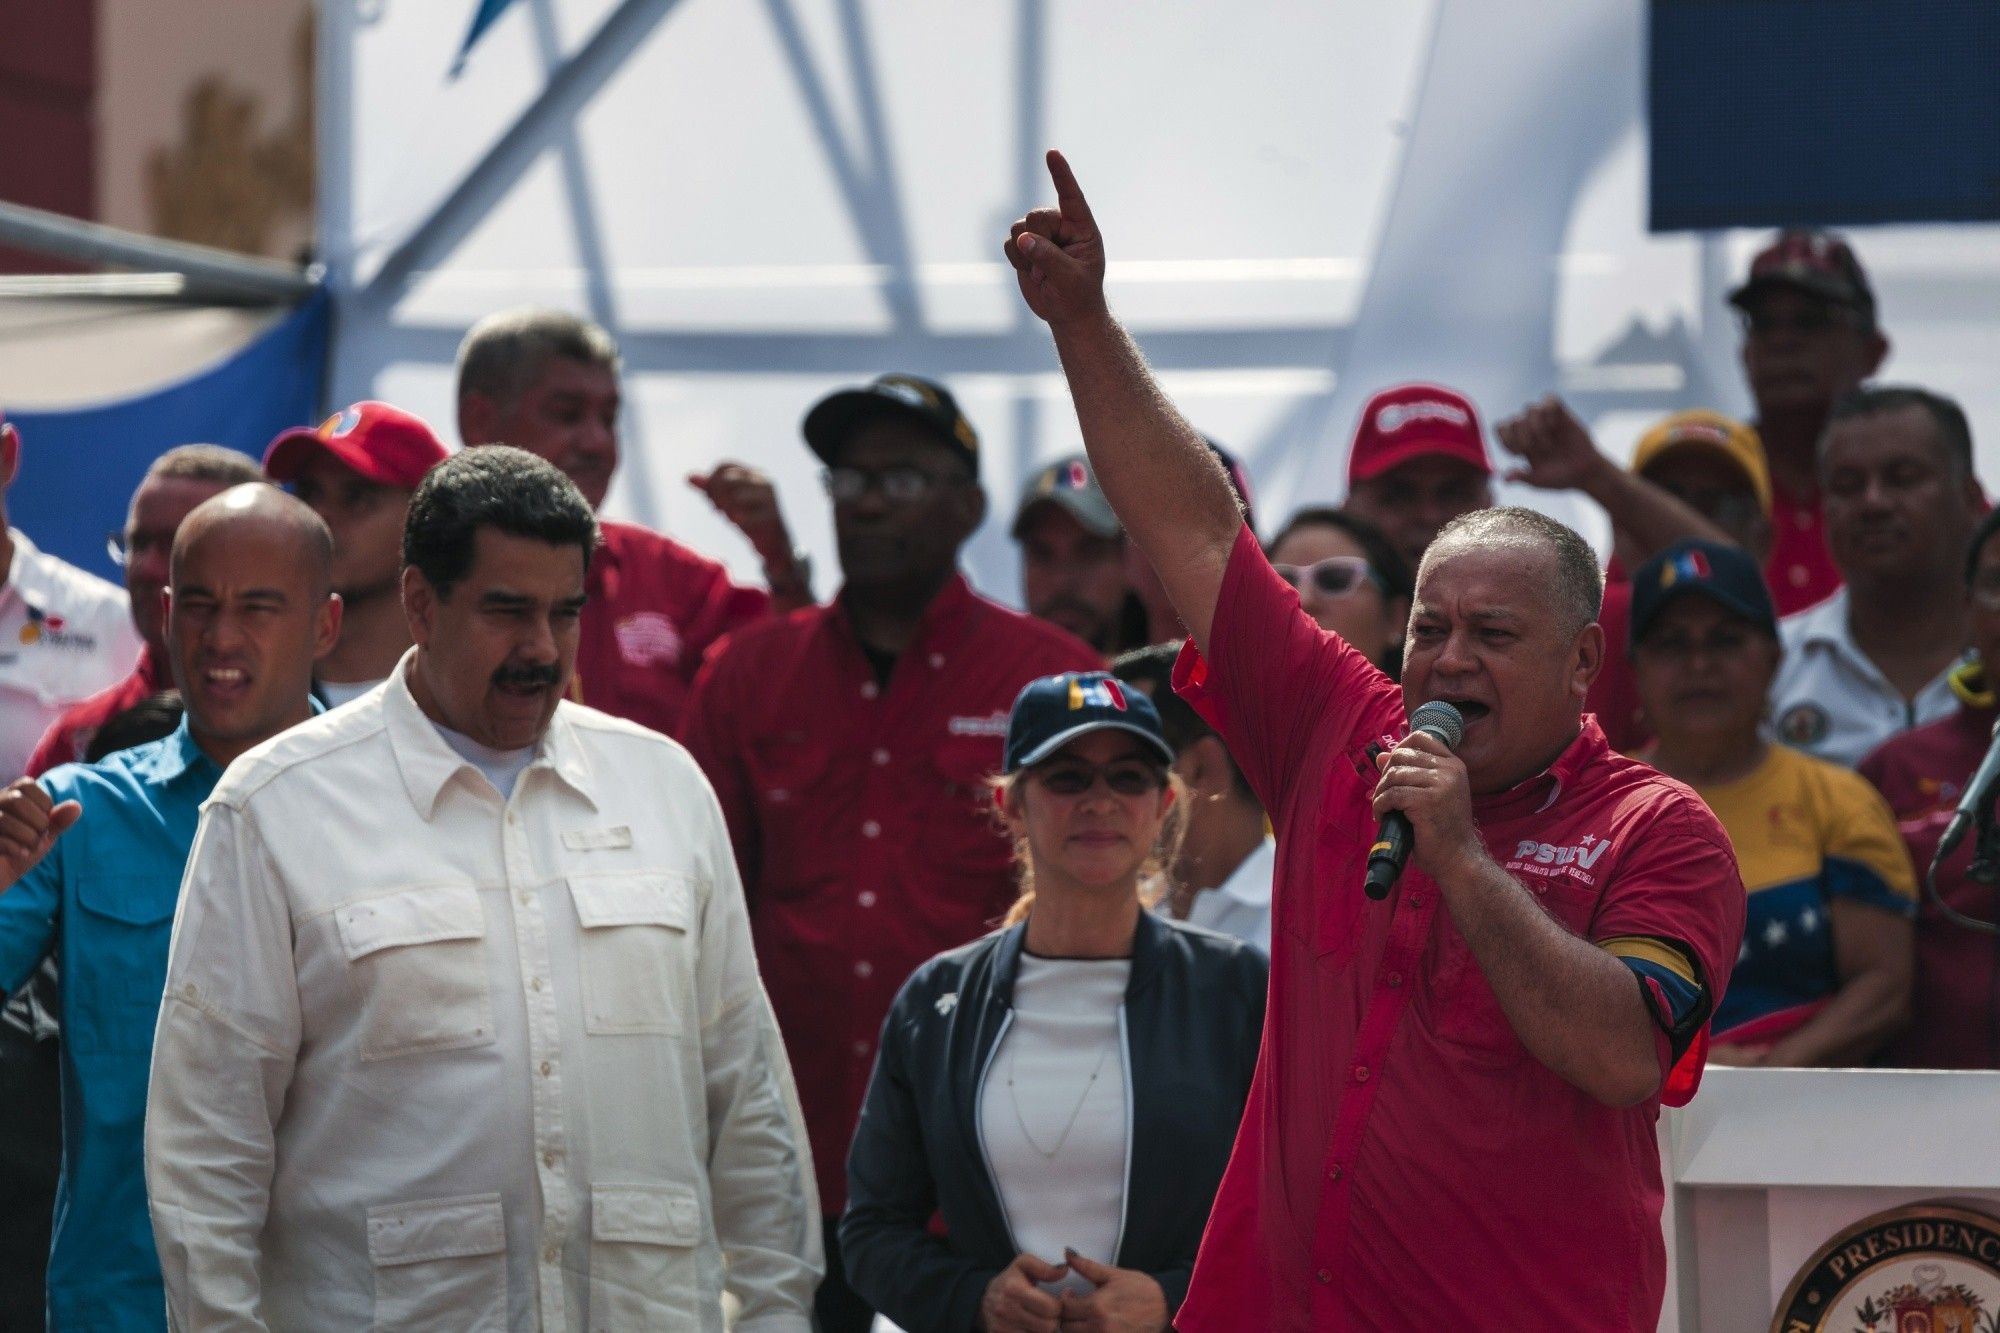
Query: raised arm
(1557,453)
(1159,474)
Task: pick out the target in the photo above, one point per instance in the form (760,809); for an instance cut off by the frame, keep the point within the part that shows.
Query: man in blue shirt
(92,860)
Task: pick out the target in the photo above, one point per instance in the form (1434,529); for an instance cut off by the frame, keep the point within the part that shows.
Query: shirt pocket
(1460,1007)
(970,832)
(788,782)
(118,962)
(636,956)
(417,958)
(441,1263)
(645,1266)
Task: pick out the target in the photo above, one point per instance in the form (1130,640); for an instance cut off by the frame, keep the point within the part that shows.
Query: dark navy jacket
(1193,1013)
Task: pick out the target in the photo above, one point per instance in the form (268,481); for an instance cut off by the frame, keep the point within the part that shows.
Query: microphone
(1395,839)
(1978,792)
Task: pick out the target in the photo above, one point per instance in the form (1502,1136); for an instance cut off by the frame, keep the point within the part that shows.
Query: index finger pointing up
(1069,195)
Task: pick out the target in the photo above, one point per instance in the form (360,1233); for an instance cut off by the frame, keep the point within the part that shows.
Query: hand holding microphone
(1424,798)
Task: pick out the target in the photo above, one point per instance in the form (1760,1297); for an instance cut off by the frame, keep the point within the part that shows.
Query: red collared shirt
(655,608)
(1404,1162)
(862,819)
(71,733)
(1800,571)
(1955,1002)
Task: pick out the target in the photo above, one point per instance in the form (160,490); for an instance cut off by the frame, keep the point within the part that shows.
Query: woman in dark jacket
(1064,1093)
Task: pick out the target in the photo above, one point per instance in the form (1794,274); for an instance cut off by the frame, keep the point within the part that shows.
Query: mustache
(527,677)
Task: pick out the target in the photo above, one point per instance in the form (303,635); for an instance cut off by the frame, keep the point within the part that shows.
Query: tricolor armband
(1671,982)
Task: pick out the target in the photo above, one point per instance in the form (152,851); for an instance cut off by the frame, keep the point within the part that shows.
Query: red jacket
(862,819)
(655,609)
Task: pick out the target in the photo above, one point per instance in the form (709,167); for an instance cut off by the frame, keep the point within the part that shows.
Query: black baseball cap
(1723,574)
(1818,263)
(923,401)
(1051,712)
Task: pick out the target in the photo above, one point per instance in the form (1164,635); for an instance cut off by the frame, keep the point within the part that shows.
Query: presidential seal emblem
(1928,1268)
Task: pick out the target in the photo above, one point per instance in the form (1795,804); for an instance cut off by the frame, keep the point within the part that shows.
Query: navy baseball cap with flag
(1725,575)
(1051,712)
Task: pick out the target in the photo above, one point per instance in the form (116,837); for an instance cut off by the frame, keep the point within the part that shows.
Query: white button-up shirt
(1240,906)
(428,1058)
(1831,701)
(64,635)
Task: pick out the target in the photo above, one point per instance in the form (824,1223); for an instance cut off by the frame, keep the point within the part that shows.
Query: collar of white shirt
(427,763)
(1250,882)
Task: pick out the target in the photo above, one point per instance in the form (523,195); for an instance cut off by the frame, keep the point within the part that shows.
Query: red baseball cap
(1415,421)
(1818,263)
(384,444)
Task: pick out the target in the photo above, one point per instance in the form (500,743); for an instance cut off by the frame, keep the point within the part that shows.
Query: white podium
(1767,1166)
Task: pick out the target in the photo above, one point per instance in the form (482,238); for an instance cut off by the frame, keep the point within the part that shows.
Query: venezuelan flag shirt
(1807,834)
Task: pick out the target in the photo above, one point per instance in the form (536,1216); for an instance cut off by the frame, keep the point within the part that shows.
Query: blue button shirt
(103,899)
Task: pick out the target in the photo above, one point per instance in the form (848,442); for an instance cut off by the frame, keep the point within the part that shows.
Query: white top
(1831,701)
(338,692)
(64,635)
(474,1046)
(1052,1113)
(503,768)
(1240,906)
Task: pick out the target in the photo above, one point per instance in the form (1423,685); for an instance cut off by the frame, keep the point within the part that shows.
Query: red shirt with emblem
(1800,571)
(71,733)
(1955,1000)
(654,609)
(861,817)
(1404,1162)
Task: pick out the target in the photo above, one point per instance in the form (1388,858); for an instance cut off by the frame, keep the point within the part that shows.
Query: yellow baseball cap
(1716,433)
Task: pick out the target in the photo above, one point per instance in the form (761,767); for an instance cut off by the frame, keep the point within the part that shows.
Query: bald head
(257,513)
(249,610)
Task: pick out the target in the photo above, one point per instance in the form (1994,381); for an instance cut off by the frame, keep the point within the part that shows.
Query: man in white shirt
(1222,875)
(1901,502)
(462,1027)
(64,634)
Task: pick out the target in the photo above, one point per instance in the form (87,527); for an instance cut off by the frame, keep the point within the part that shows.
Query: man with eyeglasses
(357,470)
(176,482)
(1901,501)
(548,382)
(1809,338)
(850,746)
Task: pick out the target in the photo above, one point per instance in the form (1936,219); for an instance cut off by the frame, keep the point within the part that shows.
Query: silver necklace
(1049,1154)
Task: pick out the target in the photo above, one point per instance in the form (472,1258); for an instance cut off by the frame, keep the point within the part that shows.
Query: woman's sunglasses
(1335,576)
(1125,779)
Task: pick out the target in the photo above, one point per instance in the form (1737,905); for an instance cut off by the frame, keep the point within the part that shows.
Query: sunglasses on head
(1335,576)
(1126,777)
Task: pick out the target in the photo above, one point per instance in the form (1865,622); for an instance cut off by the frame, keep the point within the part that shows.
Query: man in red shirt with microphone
(1453,1119)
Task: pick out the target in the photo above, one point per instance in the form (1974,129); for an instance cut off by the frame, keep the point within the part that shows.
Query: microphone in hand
(1395,839)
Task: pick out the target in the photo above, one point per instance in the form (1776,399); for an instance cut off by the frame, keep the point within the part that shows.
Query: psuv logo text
(1543,858)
